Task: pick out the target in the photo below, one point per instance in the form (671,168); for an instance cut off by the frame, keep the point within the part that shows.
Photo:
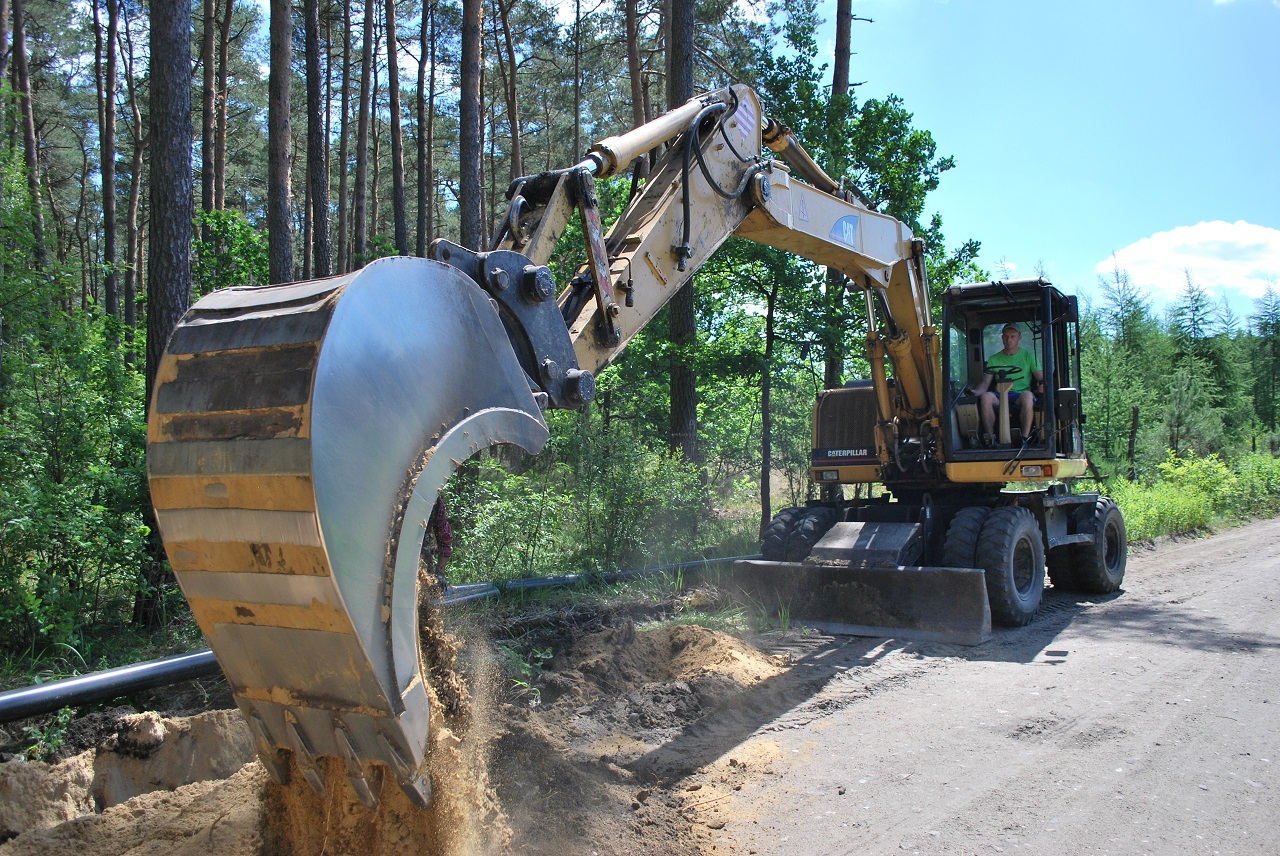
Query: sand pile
(508,774)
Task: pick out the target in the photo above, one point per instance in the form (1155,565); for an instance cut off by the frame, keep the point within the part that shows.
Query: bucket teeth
(355,770)
(304,756)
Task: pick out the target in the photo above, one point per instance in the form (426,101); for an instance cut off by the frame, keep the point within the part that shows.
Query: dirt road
(1138,723)
(1143,723)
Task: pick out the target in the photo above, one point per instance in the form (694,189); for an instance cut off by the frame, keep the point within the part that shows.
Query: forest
(152,153)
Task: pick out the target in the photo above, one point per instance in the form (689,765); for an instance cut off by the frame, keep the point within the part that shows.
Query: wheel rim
(1112,540)
(1023,566)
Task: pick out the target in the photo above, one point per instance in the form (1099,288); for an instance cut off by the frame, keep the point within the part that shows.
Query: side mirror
(1073,310)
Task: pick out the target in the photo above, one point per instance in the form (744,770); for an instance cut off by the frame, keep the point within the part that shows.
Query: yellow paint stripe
(247,558)
(314,616)
(268,493)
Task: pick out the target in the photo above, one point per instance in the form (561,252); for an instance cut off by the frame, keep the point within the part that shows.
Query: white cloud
(1223,258)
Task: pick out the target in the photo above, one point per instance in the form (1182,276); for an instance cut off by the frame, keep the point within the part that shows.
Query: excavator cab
(973,317)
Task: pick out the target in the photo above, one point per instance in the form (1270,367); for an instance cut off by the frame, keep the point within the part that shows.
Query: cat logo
(845,230)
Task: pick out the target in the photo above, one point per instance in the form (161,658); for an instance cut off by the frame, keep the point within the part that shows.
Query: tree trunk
(172,207)
(766,413)
(107,158)
(4,52)
(470,133)
(844,47)
(23,83)
(833,345)
(317,146)
(425,45)
(432,196)
(577,78)
(344,232)
(360,214)
(508,72)
(4,71)
(1133,440)
(133,236)
(280,143)
(375,159)
(132,256)
(683,433)
(398,212)
(636,72)
(4,76)
(306,225)
(220,131)
(207,124)
(327,131)
(169,274)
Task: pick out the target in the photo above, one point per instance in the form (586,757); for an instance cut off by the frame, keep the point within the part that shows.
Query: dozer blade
(856,582)
(298,437)
(904,602)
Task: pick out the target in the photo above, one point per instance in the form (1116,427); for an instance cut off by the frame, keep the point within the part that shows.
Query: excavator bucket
(860,580)
(298,437)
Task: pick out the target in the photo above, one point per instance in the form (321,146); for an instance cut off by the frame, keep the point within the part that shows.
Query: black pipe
(126,680)
(101,686)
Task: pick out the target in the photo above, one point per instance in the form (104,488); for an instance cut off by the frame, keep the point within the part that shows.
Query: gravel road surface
(1140,723)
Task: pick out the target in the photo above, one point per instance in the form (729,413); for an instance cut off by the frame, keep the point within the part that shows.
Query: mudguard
(298,436)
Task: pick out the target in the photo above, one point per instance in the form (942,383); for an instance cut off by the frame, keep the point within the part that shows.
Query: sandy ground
(1139,723)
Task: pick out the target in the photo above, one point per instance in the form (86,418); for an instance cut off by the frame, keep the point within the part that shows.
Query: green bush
(72,490)
(594,504)
(228,251)
(1207,477)
(1192,493)
(1154,510)
(1258,480)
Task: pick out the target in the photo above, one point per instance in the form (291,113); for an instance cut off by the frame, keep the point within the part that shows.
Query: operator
(1026,376)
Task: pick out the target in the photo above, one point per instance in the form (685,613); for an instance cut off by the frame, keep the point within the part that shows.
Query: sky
(1094,134)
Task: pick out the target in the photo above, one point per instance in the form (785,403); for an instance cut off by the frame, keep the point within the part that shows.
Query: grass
(1193,494)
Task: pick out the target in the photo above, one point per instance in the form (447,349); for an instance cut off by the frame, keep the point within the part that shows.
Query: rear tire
(809,531)
(960,548)
(1011,552)
(773,543)
(1099,567)
(790,536)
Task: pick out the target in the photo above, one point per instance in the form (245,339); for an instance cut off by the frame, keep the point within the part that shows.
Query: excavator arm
(299,434)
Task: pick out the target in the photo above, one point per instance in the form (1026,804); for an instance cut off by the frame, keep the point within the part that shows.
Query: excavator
(299,434)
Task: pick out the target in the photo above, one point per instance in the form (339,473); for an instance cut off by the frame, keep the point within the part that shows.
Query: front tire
(1011,552)
(960,548)
(1099,567)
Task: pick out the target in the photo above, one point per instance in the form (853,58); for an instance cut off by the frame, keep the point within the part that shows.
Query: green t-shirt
(1023,364)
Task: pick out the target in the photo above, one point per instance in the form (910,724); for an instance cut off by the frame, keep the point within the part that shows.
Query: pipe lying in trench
(101,686)
(126,680)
